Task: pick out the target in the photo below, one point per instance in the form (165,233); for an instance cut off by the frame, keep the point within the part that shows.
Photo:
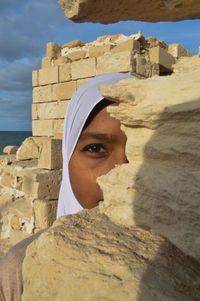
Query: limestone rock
(28,150)
(10,149)
(159,188)
(87,257)
(110,11)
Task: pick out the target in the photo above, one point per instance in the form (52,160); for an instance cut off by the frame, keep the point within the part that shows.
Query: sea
(12,138)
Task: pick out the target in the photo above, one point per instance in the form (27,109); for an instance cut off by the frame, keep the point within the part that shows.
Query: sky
(26,26)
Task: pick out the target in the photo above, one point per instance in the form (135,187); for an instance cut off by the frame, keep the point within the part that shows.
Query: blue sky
(26,26)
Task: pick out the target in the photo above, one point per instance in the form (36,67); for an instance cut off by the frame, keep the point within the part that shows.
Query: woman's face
(100,147)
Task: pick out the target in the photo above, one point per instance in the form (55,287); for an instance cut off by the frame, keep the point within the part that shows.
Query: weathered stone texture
(87,257)
(110,11)
(159,187)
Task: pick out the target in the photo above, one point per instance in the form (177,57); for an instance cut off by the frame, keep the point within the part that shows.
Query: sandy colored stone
(160,56)
(87,257)
(83,68)
(58,128)
(63,91)
(53,50)
(80,82)
(10,149)
(95,51)
(51,154)
(42,94)
(48,76)
(28,150)
(72,44)
(44,213)
(52,110)
(65,72)
(60,61)
(128,45)
(77,55)
(178,51)
(35,78)
(109,11)
(42,128)
(117,62)
(46,62)
(159,188)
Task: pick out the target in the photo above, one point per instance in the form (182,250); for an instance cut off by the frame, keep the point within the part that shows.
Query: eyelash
(98,146)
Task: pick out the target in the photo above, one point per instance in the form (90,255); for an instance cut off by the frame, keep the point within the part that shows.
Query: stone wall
(30,181)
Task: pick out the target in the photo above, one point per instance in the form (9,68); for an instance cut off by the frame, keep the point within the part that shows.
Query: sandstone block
(53,50)
(10,149)
(51,154)
(28,150)
(160,56)
(42,94)
(42,184)
(140,65)
(48,76)
(77,55)
(92,258)
(58,128)
(72,44)
(83,68)
(46,62)
(117,62)
(178,51)
(52,110)
(42,128)
(65,72)
(63,90)
(80,82)
(35,78)
(128,45)
(61,60)
(44,213)
(95,51)
(104,11)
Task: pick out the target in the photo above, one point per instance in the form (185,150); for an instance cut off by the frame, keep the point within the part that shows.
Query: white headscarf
(79,108)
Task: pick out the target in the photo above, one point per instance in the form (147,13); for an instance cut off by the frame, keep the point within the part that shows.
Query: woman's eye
(94,148)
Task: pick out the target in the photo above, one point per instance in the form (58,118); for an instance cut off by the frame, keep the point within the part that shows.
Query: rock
(87,257)
(10,149)
(107,11)
(28,150)
(159,187)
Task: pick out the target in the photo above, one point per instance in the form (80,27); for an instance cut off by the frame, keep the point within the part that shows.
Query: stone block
(28,150)
(48,76)
(46,62)
(44,213)
(53,50)
(178,51)
(42,128)
(95,51)
(83,68)
(52,110)
(63,91)
(51,154)
(42,94)
(10,149)
(80,82)
(42,183)
(65,72)
(77,55)
(61,60)
(72,44)
(128,45)
(35,78)
(140,65)
(160,56)
(58,128)
(117,62)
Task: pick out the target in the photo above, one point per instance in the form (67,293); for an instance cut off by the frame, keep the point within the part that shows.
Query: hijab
(79,108)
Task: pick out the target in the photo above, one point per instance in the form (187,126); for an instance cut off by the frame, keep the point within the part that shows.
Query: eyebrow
(98,136)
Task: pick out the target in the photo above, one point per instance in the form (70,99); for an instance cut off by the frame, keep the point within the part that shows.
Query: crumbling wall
(30,181)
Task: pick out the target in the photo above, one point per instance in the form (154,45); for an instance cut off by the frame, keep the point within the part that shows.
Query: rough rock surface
(159,188)
(110,11)
(87,257)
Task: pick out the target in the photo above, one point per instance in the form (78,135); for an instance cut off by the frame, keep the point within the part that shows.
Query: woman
(93,143)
